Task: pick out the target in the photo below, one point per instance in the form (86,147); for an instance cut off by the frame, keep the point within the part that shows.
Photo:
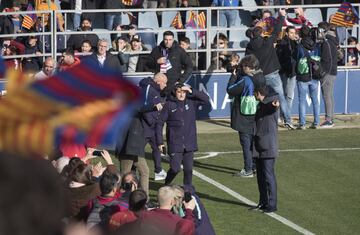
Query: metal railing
(210,29)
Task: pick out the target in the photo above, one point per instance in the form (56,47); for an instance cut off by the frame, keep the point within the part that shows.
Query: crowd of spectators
(131,51)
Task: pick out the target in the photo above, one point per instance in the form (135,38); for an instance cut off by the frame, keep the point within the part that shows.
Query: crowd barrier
(346,93)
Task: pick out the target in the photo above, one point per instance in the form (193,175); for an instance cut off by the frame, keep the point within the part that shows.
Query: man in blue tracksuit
(179,113)
(151,88)
(266,146)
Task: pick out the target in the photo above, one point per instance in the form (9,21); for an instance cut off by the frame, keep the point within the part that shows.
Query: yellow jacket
(45,6)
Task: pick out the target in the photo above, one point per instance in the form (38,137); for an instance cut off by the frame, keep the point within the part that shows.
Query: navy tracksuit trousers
(187,159)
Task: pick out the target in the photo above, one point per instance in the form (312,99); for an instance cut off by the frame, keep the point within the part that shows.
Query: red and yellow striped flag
(177,22)
(29,19)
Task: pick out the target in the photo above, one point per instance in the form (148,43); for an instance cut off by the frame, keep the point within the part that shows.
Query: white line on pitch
(214,154)
(251,203)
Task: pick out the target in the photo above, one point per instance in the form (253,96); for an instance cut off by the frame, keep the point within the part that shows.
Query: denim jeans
(77,20)
(312,88)
(327,89)
(289,84)
(227,18)
(273,80)
(112,20)
(246,141)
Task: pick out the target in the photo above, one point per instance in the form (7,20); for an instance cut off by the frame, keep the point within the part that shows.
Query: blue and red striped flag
(29,19)
(345,16)
(85,104)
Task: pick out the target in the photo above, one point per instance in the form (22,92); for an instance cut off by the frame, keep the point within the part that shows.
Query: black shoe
(269,210)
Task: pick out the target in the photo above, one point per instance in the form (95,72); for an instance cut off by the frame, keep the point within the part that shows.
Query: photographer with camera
(179,113)
(162,219)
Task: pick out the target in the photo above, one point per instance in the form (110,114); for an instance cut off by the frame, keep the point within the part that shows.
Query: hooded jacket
(179,60)
(329,53)
(306,46)
(263,49)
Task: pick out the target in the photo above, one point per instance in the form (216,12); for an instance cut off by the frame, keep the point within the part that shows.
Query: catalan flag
(29,19)
(197,21)
(176,22)
(345,16)
(85,104)
(191,23)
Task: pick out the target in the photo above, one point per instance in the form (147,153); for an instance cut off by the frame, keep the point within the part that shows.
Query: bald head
(161,80)
(166,196)
(49,66)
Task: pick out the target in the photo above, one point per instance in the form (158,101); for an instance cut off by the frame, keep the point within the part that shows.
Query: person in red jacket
(164,220)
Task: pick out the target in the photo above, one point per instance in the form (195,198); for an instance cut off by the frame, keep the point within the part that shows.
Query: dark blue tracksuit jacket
(151,94)
(180,118)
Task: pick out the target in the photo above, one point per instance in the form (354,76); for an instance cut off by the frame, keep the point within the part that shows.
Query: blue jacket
(226,3)
(180,118)
(239,86)
(266,133)
(151,93)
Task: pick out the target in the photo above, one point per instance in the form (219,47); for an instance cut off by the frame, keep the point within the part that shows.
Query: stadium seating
(103,34)
(329,12)
(313,15)
(167,18)
(125,19)
(148,20)
(148,38)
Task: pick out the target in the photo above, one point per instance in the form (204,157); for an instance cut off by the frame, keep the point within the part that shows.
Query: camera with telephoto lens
(127,186)
(187,197)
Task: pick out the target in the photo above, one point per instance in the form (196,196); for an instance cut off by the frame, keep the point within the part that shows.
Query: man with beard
(169,58)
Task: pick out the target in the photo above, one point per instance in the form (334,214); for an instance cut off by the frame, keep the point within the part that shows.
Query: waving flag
(197,21)
(176,22)
(29,19)
(346,15)
(85,104)
(267,25)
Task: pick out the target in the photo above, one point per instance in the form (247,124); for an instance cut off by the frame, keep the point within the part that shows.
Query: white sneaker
(161,175)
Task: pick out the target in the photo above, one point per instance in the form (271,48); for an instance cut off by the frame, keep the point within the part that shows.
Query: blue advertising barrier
(346,93)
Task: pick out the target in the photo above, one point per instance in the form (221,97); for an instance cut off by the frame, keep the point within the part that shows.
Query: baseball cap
(136,38)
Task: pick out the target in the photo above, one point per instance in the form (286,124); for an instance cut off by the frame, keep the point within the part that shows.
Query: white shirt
(101,60)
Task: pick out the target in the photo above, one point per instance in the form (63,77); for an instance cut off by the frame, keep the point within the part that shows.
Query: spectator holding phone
(179,113)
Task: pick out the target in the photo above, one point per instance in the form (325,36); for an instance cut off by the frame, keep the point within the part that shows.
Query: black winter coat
(180,118)
(266,134)
(286,50)
(329,54)
(75,41)
(179,60)
(111,61)
(263,49)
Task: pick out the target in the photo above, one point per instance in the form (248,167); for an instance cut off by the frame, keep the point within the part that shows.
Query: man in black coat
(179,113)
(264,50)
(105,58)
(171,59)
(266,146)
(329,64)
(286,52)
(75,41)
(151,88)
